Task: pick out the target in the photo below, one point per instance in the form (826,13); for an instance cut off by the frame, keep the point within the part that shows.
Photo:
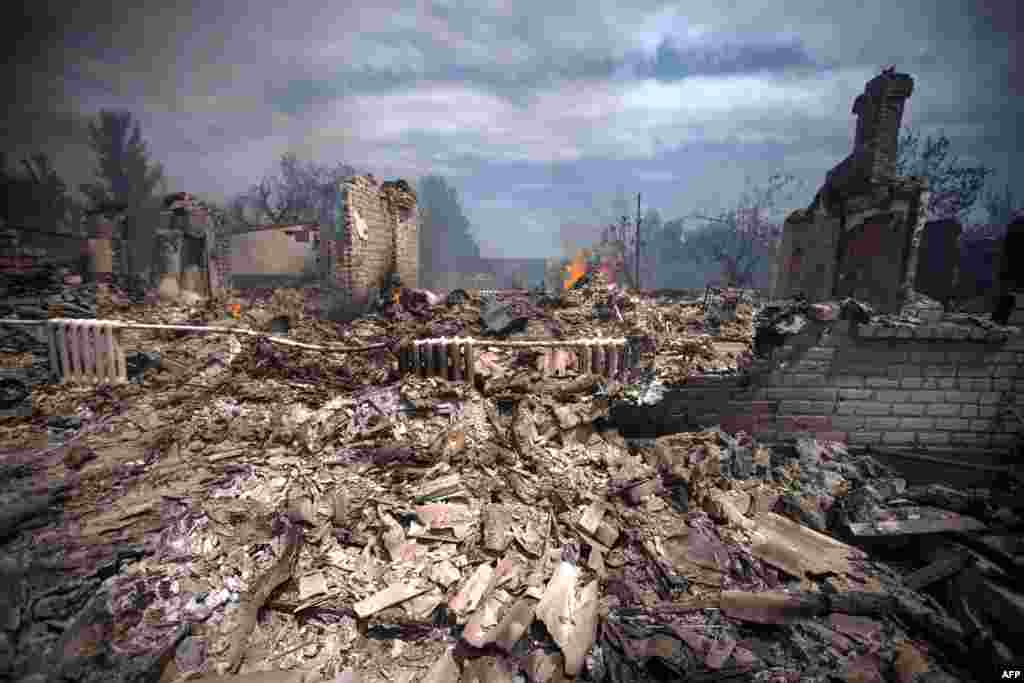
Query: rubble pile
(31,295)
(243,507)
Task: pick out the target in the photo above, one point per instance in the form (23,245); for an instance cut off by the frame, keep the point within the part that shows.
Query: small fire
(235,310)
(576,269)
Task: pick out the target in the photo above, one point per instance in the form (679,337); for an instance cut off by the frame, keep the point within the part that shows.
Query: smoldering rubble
(243,509)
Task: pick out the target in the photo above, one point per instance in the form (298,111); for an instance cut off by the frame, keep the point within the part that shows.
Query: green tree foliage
(955,187)
(128,178)
(37,196)
(292,195)
(125,173)
(447,240)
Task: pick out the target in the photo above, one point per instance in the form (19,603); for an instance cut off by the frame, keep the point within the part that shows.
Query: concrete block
(987,425)
(863,408)
(927,396)
(844,381)
(831,436)
(898,437)
(881,383)
(989,398)
(974,384)
(800,394)
(864,437)
(974,371)
(808,366)
(962,396)
(969,439)
(918,383)
(820,353)
(806,423)
(969,411)
(917,423)
(952,424)
(1006,371)
(807,380)
(910,370)
(805,408)
(892,396)
(1004,384)
(848,423)
(863,369)
(882,423)
(908,409)
(988,411)
(943,410)
(926,357)
(946,370)
(855,394)
(754,407)
(933,438)
(1004,440)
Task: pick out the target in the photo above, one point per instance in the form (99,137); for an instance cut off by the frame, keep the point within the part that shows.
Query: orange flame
(576,269)
(235,310)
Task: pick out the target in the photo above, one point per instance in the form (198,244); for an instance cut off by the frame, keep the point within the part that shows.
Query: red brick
(763,407)
(736,423)
(831,436)
(807,423)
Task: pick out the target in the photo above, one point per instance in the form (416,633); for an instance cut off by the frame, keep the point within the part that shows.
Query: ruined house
(192,256)
(368,231)
(861,234)
(275,255)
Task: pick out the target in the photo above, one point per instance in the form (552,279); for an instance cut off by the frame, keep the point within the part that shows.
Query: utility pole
(638,241)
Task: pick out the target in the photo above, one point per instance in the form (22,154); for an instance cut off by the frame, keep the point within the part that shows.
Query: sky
(539,113)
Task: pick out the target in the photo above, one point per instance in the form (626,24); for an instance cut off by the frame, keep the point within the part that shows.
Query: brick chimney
(879,113)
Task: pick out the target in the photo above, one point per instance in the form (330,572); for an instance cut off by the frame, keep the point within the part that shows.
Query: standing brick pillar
(368,231)
(101,248)
(1010,277)
(879,113)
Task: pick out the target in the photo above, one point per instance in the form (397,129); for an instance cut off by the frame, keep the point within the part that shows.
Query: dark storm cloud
(673,61)
(538,112)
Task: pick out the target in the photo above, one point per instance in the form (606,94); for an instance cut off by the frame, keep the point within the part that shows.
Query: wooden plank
(392,595)
(940,569)
(950,522)
(798,550)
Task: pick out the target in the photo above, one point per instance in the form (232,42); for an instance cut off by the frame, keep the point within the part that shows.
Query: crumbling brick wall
(941,386)
(861,234)
(376,234)
(220,261)
(401,203)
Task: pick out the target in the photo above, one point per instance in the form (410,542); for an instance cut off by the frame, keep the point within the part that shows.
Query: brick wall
(380,232)
(220,261)
(936,386)
(271,252)
(401,204)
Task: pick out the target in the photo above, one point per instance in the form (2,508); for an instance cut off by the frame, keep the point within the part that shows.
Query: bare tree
(955,187)
(739,239)
(293,195)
